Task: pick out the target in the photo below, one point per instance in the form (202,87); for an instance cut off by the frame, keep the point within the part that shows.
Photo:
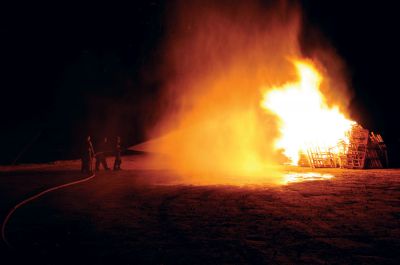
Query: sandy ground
(142,215)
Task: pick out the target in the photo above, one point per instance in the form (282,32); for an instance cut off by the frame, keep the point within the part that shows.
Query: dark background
(67,71)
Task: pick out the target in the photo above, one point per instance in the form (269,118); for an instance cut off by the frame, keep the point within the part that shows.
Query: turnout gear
(87,156)
(101,155)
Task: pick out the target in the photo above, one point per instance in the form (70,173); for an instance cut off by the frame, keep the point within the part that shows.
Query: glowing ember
(306,121)
(293,177)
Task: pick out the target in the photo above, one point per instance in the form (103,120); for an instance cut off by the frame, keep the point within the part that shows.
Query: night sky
(71,70)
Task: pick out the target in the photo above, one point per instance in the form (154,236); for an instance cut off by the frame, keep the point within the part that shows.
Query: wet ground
(144,216)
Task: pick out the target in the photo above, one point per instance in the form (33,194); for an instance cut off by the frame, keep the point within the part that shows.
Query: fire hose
(10,213)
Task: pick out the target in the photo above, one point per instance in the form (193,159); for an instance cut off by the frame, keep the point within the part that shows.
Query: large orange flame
(216,59)
(306,121)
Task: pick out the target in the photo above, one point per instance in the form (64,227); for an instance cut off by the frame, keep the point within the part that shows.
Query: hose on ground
(34,197)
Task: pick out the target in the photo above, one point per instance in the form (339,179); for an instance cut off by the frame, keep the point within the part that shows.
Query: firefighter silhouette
(87,156)
(101,155)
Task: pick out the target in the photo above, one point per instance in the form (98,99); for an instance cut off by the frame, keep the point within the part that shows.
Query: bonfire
(315,134)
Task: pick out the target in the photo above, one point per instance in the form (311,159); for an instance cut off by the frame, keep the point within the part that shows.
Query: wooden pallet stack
(356,152)
(321,158)
(363,150)
(376,152)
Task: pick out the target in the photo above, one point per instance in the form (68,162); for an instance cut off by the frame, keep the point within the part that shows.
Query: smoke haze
(218,59)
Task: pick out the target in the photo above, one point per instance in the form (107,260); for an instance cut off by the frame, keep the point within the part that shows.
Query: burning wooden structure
(363,149)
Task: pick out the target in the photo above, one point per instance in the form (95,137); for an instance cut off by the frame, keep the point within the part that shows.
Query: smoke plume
(217,59)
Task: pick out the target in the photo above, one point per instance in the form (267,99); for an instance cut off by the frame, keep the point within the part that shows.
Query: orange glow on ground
(294,177)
